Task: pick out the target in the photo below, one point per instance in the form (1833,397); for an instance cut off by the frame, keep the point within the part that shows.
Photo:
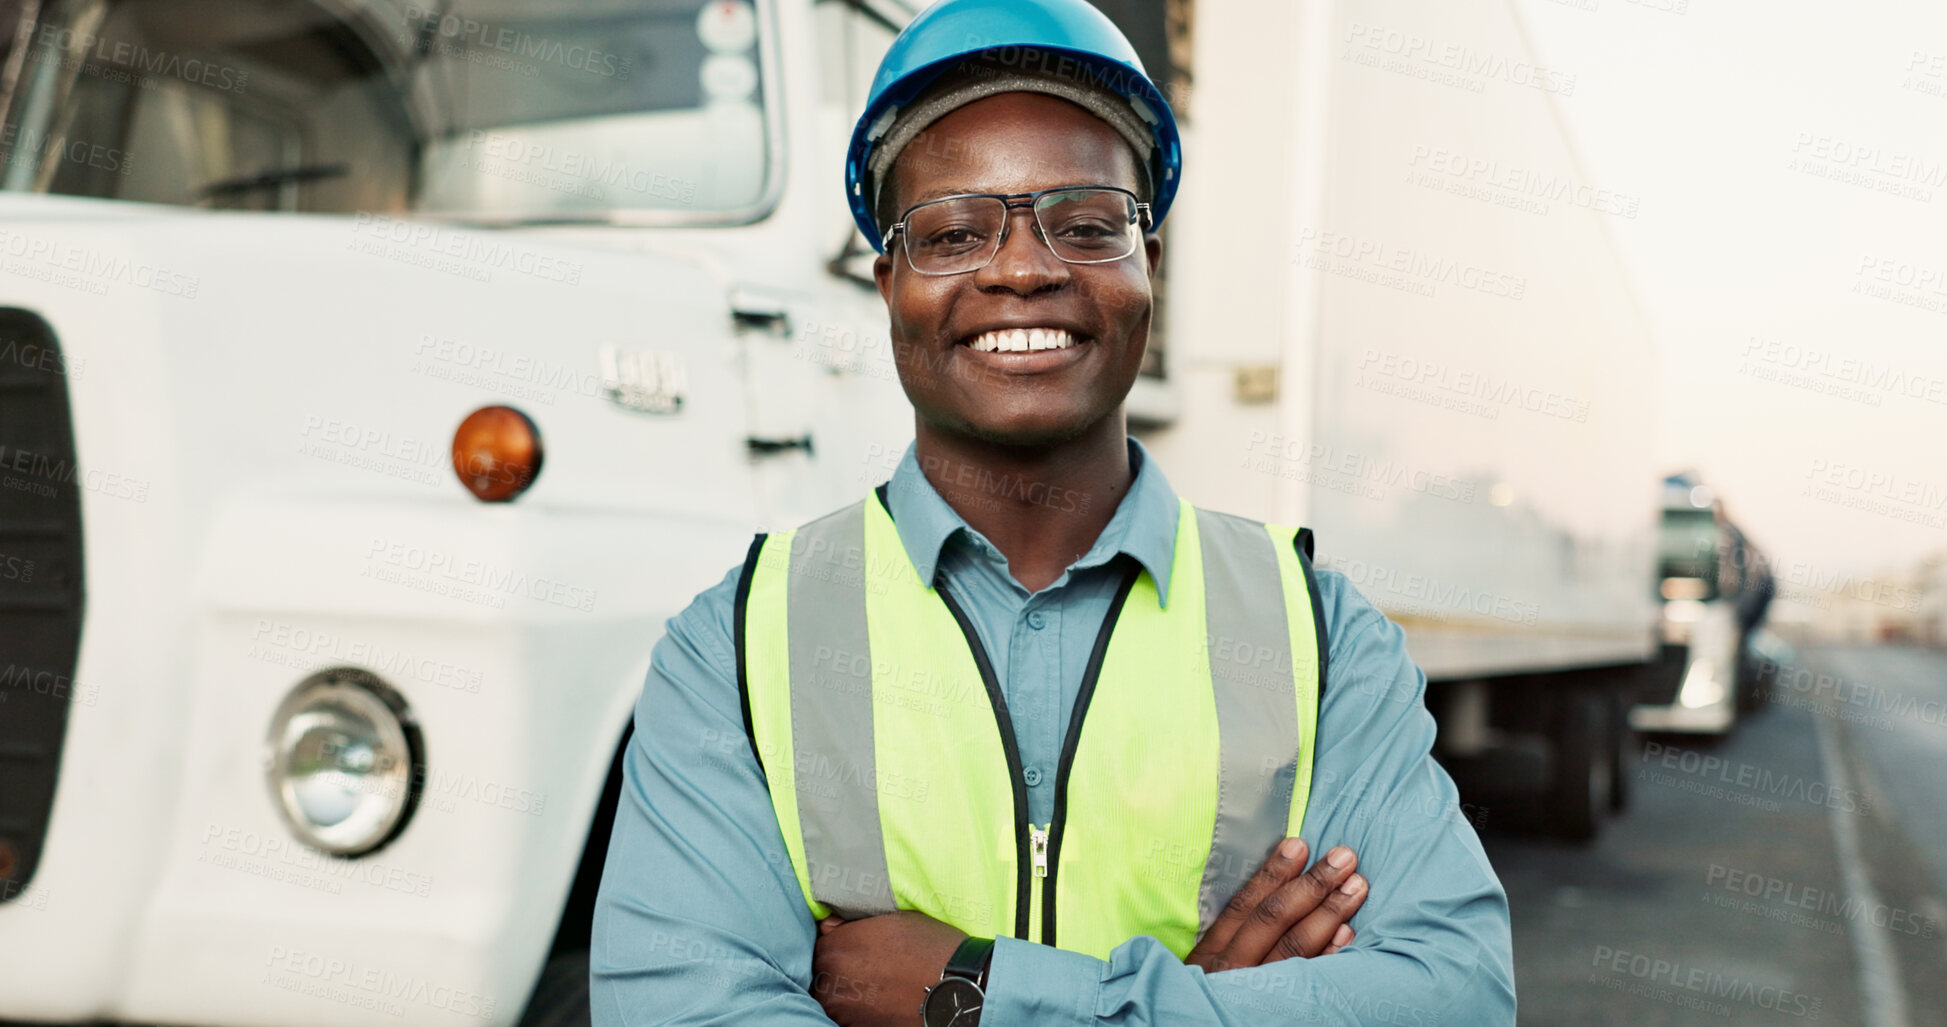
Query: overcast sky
(1792,162)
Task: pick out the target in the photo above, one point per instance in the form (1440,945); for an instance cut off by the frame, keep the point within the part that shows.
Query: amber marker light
(497,453)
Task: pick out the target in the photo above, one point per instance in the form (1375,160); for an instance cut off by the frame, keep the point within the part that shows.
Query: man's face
(1016,143)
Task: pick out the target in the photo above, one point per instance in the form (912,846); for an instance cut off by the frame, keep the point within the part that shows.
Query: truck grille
(40,586)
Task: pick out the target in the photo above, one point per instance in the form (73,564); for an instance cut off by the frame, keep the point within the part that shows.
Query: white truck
(302,721)
(1715,586)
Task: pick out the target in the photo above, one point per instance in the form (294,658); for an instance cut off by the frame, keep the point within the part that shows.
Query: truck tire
(1622,749)
(560,997)
(1750,697)
(1583,774)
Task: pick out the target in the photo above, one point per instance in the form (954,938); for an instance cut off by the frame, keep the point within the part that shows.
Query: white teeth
(1022,340)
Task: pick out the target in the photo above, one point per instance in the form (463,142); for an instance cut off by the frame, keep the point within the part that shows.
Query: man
(1023,693)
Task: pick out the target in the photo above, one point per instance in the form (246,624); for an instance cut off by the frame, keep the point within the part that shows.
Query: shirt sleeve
(1433,940)
(699,918)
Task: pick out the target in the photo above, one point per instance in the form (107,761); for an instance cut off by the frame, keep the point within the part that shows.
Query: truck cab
(1714,585)
(301,723)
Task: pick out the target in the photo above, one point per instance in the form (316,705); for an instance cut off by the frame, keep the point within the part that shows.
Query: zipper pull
(1038,848)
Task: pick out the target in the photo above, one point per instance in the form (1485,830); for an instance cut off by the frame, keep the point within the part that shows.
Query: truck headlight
(344,761)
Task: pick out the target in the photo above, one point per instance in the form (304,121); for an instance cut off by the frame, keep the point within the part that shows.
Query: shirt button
(1037,621)
(1032,776)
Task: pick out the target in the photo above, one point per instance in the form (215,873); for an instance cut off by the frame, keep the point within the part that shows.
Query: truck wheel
(1622,749)
(560,996)
(1583,777)
(1750,698)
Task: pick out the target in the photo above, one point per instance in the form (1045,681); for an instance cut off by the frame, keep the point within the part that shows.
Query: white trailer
(1397,316)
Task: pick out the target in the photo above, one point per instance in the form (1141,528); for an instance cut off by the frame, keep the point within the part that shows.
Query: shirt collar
(1144,524)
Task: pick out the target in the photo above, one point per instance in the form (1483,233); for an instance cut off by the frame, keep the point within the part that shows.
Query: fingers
(829,924)
(1296,899)
(1341,939)
(1321,928)
(1287,859)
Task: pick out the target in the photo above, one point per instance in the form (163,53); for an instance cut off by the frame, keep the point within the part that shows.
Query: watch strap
(970,961)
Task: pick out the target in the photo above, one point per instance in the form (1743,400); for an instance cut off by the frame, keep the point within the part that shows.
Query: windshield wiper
(271,179)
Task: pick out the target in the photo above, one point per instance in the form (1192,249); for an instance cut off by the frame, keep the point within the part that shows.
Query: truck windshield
(1689,546)
(497,109)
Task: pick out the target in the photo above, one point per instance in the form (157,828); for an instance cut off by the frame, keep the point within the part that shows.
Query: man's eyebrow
(938,192)
(934,194)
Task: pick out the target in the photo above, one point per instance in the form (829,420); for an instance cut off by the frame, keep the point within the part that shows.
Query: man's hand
(874,972)
(1277,916)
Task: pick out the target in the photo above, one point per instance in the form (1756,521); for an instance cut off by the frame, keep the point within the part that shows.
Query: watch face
(954,1002)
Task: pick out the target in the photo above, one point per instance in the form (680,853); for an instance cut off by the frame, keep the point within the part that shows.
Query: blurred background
(376,379)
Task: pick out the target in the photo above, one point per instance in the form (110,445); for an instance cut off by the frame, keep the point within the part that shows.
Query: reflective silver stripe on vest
(1257,703)
(831,716)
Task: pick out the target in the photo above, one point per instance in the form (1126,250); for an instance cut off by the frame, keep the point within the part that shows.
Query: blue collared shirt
(700,919)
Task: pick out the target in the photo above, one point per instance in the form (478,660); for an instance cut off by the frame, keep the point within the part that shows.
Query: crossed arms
(700,919)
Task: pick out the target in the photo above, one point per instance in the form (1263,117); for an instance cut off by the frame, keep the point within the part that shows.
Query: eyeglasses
(1082,225)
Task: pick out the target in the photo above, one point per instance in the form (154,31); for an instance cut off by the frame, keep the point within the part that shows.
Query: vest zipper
(1074,737)
(1023,894)
(1038,850)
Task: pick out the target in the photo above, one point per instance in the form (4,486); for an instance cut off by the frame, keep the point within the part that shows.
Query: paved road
(1791,873)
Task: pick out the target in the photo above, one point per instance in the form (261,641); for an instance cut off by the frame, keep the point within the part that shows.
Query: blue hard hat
(943,34)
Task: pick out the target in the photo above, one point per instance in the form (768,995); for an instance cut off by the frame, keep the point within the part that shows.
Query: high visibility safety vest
(891,760)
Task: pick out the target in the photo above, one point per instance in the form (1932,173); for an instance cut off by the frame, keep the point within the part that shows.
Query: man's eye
(955,236)
(1089,232)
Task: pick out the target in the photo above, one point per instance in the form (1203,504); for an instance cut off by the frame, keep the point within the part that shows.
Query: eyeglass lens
(1081,226)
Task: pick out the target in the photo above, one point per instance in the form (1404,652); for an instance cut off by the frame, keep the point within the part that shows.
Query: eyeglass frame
(1142,218)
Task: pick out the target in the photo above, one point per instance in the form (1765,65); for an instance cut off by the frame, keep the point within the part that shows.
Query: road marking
(1879,970)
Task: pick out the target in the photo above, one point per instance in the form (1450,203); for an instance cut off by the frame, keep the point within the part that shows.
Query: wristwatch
(956,1000)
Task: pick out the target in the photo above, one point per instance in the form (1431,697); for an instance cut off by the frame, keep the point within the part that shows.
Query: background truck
(297,730)
(1715,586)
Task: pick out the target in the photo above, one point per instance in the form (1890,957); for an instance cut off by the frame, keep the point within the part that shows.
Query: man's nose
(1024,264)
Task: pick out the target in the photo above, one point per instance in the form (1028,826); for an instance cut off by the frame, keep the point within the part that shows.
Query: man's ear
(882,276)
(1153,246)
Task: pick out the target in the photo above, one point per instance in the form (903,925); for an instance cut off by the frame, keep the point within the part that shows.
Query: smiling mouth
(1023,340)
